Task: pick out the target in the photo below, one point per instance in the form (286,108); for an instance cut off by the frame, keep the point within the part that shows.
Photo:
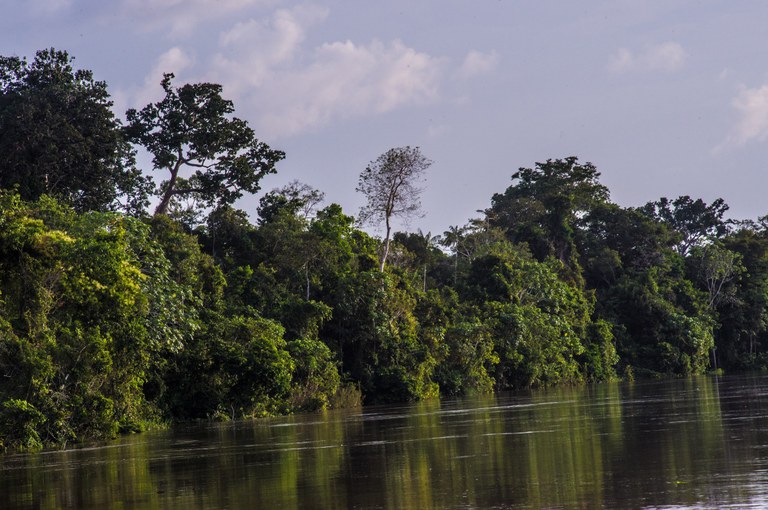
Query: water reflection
(689,443)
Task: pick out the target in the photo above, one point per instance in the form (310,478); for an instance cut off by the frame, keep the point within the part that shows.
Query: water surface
(689,443)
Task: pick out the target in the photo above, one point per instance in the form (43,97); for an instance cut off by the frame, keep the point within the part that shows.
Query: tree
(296,197)
(662,323)
(228,237)
(453,238)
(613,240)
(191,128)
(390,183)
(694,220)
(538,322)
(76,321)
(744,320)
(58,136)
(716,268)
(377,337)
(422,248)
(544,203)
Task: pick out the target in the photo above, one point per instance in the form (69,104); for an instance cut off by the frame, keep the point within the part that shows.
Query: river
(699,442)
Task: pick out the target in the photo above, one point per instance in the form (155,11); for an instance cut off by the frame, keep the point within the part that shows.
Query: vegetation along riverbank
(115,315)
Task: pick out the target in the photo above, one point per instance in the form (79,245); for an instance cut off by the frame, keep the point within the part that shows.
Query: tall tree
(694,220)
(391,185)
(191,128)
(58,136)
(544,203)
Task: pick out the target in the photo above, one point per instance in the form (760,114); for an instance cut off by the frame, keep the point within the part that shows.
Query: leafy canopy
(694,220)
(58,136)
(543,204)
(191,128)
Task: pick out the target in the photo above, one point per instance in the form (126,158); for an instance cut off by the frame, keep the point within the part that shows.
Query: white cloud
(752,108)
(348,80)
(252,51)
(181,17)
(288,87)
(668,56)
(477,63)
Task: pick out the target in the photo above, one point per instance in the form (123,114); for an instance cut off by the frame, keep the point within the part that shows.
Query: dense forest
(115,317)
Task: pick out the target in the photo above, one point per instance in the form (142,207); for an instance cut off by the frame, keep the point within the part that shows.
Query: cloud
(477,63)
(290,87)
(668,56)
(181,17)
(346,80)
(752,125)
(252,51)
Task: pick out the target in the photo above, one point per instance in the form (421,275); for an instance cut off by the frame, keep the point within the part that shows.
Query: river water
(688,443)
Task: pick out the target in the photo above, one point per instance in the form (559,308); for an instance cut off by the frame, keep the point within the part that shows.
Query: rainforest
(138,297)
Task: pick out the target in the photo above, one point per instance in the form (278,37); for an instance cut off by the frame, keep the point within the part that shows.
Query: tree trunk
(162,207)
(386,247)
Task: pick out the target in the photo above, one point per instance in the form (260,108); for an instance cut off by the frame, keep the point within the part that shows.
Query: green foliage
(614,241)
(664,323)
(537,320)
(376,336)
(743,316)
(543,205)
(59,136)
(191,128)
(316,378)
(19,425)
(254,353)
(294,199)
(108,321)
(600,356)
(716,269)
(75,339)
(237,367)
(469,364)
(694,221)
(228,237)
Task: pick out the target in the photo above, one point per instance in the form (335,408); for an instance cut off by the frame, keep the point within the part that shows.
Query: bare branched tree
(391,185)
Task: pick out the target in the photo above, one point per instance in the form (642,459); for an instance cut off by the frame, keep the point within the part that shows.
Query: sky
(665,97)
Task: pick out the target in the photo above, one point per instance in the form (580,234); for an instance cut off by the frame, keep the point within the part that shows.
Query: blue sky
(664,97)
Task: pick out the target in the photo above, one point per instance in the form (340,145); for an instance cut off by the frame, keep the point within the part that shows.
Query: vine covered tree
(390,183)
(191,128)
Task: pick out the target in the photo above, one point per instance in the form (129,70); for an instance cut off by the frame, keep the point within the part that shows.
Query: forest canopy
(113,319)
